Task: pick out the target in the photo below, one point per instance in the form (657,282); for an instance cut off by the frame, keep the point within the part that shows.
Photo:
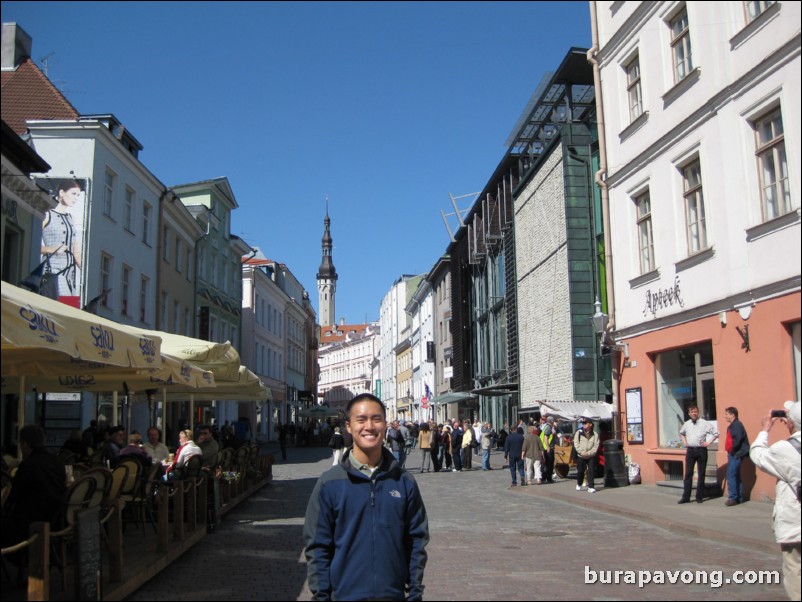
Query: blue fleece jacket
(366,537)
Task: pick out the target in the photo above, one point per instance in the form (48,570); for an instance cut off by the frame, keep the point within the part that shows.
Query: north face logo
(395,493)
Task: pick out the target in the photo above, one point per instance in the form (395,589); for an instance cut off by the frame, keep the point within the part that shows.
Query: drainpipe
(600,179)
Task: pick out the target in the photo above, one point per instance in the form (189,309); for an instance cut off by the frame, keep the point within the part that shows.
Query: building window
(125,289)
(188,271)
(681,45)
(144,286)
(106,266)
(634,89)
(108,192)
(128,218)
(201,264)
(176,317)
(775,196)
(163,324)
(186,323)
(685,377)
(166,244)
(146,210)
(755,9)
(695,222)
(645,240)
(178,254)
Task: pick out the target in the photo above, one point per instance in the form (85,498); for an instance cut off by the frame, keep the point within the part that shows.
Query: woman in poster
(61,244)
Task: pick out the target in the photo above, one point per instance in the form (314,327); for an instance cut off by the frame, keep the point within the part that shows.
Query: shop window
(685,377)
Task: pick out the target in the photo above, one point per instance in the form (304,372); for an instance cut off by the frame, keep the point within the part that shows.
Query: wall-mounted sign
(663,299)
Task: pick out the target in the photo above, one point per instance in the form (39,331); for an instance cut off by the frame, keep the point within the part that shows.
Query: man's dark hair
(33,436)
(732,410)
(364,397)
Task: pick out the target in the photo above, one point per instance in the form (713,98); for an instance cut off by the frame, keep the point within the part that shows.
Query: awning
(497,390)
(574,409)
(319,412)
(452,397)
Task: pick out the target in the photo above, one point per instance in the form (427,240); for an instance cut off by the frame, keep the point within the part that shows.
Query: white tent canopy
(573,410)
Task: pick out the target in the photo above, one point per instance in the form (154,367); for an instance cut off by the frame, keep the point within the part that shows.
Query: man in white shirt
(155,448)
(697,435)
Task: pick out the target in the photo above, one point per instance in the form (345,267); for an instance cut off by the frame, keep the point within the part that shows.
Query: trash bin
(615,470)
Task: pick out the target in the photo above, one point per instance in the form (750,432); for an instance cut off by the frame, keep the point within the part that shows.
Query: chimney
(16,46)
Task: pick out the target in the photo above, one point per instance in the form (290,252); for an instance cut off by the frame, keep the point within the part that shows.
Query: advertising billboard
(63,230)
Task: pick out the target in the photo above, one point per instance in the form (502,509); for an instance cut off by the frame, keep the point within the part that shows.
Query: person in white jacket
(781,460)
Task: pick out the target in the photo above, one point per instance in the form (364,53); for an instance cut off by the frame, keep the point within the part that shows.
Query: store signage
(663,299)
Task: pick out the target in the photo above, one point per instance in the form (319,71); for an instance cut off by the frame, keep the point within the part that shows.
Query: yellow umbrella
(246,387)
(32,321)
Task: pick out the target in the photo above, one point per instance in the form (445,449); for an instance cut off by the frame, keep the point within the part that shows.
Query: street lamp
(615,471)
(600,322)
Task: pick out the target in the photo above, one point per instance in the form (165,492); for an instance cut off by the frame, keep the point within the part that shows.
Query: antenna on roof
(45,60)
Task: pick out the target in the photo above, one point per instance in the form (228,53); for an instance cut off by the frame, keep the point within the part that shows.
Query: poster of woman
(62,240)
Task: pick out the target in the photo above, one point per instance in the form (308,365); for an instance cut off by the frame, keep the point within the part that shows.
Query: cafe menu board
(61,414)
(634,399)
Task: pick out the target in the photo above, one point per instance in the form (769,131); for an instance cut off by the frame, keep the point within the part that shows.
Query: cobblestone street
(488,542)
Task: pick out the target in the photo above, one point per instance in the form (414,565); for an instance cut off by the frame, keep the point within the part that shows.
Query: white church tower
(326,278)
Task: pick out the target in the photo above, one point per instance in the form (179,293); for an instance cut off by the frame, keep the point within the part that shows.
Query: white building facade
(701,106)
(392,321)
(345,367)
(422,341)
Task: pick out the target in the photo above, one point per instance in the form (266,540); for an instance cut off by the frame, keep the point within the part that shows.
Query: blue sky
(385,108)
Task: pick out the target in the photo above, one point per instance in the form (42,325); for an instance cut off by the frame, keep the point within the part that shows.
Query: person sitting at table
(230,439)
(110,449)
(75,445)
(157,450)
(208,446)
(134,448)
(38,489)
(185,451)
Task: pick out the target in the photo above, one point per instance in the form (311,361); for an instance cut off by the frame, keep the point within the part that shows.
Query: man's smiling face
(367,424)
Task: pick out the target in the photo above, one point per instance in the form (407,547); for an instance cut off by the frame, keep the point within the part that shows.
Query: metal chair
(79,496)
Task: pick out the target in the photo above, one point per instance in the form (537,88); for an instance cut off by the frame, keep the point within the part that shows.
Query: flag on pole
(428,391)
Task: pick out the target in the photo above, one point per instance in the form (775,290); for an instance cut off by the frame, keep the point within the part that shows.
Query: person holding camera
(781,460)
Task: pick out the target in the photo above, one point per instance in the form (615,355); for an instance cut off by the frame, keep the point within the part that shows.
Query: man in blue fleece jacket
(366,528)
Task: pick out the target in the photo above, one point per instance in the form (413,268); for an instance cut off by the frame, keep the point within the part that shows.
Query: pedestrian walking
(336,443)
(513,453)
(533,456)
(586,444)
(425,444)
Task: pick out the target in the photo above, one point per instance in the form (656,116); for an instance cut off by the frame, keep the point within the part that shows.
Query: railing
(182,509)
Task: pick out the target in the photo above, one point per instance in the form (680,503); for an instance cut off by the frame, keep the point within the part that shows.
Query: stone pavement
(490,541)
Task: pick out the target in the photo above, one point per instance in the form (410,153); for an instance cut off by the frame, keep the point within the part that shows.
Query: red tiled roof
(337,334)
(28,94)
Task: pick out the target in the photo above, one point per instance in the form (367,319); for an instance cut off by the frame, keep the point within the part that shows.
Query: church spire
(326,275)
